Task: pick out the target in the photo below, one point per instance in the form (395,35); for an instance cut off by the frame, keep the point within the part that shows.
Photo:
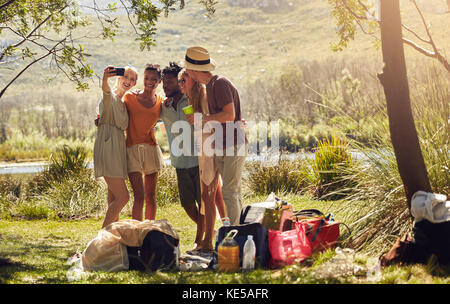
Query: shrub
(292,136)
(68,160)
(328,172)
(287,176)
(11,191)
(167,186)
(64,163)
(67,186)
(76,195)
(35,211)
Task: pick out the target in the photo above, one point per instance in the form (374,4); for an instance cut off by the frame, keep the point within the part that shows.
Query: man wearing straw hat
(225,108)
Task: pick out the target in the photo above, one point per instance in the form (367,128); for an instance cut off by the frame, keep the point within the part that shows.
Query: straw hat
(198,59)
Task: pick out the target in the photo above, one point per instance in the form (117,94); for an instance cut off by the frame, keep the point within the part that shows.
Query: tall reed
(328,169)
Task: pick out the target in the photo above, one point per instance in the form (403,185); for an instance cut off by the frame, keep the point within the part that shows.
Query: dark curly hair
(173,69)
(153,67)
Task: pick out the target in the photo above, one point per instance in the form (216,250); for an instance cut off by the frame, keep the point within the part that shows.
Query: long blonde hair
(197,96)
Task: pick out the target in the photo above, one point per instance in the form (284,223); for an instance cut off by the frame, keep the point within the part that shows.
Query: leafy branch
(50,52)
(44,29)
(350,14)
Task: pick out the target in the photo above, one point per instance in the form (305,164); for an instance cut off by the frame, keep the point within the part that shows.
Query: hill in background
(249,40)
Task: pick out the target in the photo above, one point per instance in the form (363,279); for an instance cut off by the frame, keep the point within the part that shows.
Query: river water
(36,167)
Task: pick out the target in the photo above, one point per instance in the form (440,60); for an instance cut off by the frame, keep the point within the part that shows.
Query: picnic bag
(158,251)
(307,213)
(322,232)
(277,219)
(131,244)
(260,237)
(273,215)
(288,247)
(252,214)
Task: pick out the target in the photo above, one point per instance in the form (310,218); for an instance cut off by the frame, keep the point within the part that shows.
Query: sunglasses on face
(182,80)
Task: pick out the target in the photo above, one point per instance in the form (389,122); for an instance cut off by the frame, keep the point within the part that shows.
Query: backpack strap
(321,224)
(307,213)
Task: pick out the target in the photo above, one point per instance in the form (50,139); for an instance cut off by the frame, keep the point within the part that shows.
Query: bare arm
(107,73)
(227,114)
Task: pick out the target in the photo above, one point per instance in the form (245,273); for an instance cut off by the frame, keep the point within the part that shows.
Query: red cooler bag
(288,247)
(321,232)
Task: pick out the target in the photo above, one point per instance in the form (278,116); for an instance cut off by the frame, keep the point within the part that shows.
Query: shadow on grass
(8,268)
(34,257)
(437,270)
(43,260)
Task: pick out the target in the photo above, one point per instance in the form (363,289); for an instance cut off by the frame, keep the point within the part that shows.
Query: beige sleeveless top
(206,162)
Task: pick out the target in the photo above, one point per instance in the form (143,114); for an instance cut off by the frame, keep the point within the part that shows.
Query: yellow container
(188,110)
(228,254)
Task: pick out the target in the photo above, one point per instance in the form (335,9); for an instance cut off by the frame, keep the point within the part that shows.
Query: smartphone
(120,71)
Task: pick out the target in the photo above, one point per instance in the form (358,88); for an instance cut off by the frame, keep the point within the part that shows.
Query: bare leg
(110,200)
(210,215)
(220,204)
(119,191)
(138,194)
(201,224)
(194,213)
(150,195)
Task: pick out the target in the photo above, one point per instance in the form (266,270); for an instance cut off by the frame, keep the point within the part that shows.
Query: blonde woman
(110,160)
(209,173)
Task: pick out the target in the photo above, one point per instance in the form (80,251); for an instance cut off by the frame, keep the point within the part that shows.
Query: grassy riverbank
(38,250)
(47,217)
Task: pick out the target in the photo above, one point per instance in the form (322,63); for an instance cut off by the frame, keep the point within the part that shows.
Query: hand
(108,72)
(151,131)
(190,119)
(96,121)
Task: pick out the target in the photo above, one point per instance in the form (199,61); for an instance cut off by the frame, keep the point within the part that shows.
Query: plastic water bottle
(248,261)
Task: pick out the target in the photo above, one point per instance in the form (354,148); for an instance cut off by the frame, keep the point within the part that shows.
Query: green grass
(290,75)
(39,232)
(39,250)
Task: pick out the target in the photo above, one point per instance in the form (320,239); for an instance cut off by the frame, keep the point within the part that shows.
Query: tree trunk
(394,79)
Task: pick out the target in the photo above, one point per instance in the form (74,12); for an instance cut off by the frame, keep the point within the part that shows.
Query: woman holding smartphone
(110,160)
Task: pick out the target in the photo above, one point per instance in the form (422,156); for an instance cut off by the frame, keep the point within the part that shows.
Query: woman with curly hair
(144,156)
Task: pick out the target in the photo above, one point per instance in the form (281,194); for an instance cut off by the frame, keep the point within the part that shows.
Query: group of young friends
(126,147)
